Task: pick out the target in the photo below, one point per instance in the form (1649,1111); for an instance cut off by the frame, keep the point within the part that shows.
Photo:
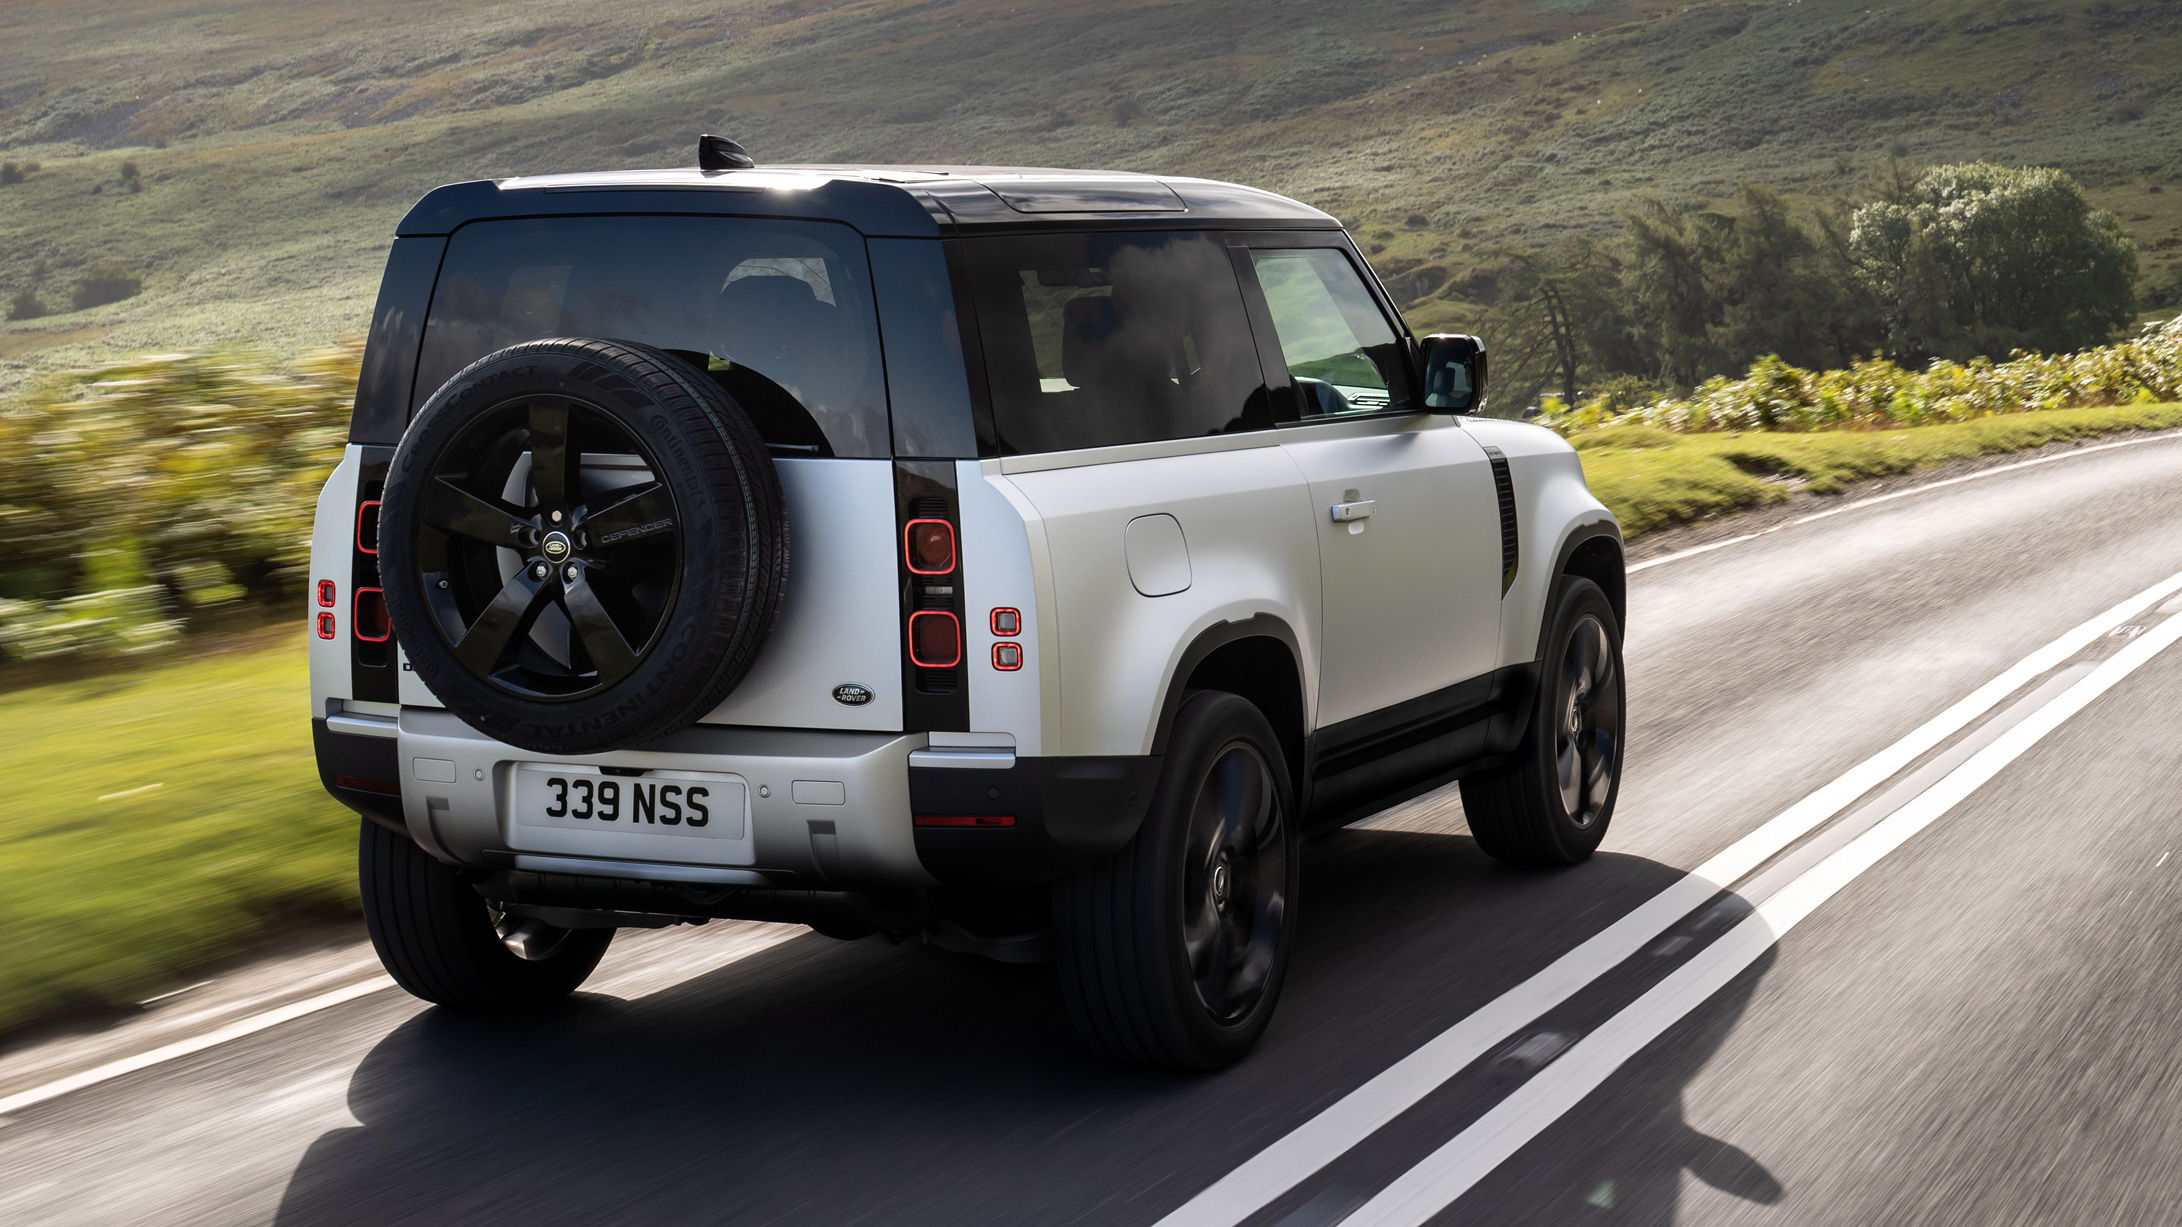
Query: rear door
(1407,520)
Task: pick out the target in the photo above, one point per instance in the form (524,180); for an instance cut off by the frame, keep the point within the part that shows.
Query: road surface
(1923,972)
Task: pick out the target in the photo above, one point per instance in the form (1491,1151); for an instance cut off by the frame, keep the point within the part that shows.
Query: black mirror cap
(720,153)
(1454,373)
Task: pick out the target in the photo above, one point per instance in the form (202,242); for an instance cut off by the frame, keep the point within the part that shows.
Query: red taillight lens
(361,784)
(372,624)
(325,626)
(929,546)
(367,527)
(1007,657)
(965,820)
(325,593)
(935,639)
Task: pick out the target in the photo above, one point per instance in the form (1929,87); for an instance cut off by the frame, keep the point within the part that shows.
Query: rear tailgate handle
(1358,510)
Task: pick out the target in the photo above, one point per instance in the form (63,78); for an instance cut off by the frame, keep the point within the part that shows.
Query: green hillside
(275,142)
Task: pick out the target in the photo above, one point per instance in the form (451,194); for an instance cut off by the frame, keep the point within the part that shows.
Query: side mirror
(1454,373)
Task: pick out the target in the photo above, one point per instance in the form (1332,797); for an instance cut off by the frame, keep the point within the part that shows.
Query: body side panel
(1553,506)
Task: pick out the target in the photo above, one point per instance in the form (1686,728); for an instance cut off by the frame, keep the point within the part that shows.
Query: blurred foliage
(1875,393)
(1951,262)
(138,498)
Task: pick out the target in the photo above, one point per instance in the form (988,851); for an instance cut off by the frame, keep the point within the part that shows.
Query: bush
(132,494)
(26,305)
(11,173)
(1876,394)
(107,283)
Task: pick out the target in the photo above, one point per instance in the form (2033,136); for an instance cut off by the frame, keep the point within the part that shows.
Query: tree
(1555,317)
(1979,259)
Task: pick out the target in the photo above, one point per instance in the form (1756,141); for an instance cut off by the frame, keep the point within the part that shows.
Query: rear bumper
(828,810)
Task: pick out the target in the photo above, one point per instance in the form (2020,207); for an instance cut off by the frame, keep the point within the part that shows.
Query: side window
(1098,339)
(1339,349)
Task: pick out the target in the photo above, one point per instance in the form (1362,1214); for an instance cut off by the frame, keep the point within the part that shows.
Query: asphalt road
(1980,1024)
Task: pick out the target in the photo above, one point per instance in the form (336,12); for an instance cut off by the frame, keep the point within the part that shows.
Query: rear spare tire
(583,544)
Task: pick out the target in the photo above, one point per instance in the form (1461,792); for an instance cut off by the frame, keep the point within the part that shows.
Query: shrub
(26,305)
(11,173)
(1876,394)
(107,283)
(130,493)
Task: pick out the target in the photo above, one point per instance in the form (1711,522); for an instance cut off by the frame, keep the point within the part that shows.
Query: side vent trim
(1511,554)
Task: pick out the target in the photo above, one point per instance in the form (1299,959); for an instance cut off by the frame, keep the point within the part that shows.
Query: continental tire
(583,543)
(442,942)
(1552,803)
(1172,954)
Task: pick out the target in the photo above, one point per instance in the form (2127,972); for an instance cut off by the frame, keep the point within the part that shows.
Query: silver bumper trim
(639,871)
(975,760)
(357,725)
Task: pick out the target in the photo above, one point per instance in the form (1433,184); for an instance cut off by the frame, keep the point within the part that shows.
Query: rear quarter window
(1092,340)
(780,313)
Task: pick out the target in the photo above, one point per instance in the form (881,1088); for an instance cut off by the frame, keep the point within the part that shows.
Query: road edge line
(182,1048)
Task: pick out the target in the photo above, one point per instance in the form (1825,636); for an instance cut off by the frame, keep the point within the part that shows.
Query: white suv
(1021,559)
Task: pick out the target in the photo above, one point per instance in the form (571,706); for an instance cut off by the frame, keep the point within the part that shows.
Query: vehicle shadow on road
(820,1081)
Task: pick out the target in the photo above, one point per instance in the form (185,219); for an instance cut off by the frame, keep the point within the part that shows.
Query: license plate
(669,804)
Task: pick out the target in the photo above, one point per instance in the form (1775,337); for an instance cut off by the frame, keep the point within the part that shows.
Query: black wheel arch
(1258,659)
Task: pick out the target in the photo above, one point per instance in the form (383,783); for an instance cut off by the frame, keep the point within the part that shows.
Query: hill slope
(278,140)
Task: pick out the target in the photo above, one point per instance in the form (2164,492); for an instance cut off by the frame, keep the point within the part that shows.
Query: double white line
(1448,1172)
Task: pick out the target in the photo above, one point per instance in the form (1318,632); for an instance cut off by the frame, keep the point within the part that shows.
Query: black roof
(903,201)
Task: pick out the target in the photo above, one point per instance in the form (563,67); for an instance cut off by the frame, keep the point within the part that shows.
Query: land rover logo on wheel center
(555,546)
(852,694)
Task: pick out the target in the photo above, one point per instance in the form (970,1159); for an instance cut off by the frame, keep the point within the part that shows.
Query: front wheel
(441,941)
(1172,954)
(1551,804)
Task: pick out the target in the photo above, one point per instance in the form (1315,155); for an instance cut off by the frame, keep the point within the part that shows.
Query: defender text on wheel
(1027,561)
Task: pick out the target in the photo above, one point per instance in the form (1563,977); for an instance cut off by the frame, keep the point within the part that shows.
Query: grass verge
(158,819)
(1655,479)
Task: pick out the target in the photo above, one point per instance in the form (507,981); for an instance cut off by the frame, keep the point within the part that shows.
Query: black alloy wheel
(548,550)
(1551,803)
(1587,734)
(1172,954)
(1235,882)
(583,545)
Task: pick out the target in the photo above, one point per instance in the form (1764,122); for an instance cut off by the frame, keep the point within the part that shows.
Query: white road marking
(182,1048)
(1432,1185)
(130,792)
(1319,1141)
(175,992)
(1876,499)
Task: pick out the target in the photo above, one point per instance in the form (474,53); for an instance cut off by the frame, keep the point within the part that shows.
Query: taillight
(367,528)
(325,594)
(372,624)
(1007,657)
(929,546)
(1007,623)
(325,626)
(935,639)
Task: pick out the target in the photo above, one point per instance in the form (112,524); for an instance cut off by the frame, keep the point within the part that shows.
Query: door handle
(1360,509)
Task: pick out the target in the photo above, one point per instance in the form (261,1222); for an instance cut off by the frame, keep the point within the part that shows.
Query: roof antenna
(720,153)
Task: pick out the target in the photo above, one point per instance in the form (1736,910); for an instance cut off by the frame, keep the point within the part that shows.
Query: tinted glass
(1093,340)
(780,312)
(925,382)
(1338,347)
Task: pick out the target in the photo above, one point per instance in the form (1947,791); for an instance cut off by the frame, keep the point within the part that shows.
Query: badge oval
(852,694)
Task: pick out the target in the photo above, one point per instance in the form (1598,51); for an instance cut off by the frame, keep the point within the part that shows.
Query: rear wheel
(1172,954)
(1551,805)
(441,941)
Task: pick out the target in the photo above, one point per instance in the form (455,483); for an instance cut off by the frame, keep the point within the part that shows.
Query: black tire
(1550,805)
(635,612)
(1124,929)
(441,941)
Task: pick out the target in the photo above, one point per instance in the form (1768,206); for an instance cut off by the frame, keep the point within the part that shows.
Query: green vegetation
(141,838)
(1953,262)
(1655,478)
(143,497)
